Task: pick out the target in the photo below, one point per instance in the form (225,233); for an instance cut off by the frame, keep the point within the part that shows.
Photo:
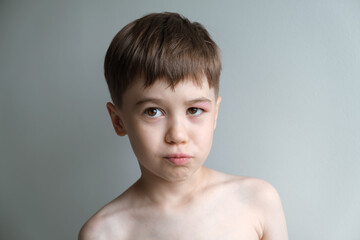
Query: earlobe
(116,119)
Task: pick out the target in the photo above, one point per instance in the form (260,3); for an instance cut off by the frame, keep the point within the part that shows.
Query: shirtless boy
(163,75)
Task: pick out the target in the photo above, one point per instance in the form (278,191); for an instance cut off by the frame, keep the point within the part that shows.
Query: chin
(180,175)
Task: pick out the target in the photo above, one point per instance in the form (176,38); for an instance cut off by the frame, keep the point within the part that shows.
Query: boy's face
(170,130)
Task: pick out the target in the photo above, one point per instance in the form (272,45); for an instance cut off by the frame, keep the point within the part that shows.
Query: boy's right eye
(153,112)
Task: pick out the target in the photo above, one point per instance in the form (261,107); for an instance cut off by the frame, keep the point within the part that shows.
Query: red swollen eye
(194,111)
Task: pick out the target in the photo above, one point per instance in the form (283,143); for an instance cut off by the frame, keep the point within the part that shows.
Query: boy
(163,75)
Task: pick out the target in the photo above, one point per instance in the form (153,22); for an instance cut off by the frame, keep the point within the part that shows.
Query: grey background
(290,112)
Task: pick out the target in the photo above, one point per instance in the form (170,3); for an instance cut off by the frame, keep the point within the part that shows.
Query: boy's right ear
(116,119)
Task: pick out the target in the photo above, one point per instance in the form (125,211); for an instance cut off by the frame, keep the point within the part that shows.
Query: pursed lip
(178,158)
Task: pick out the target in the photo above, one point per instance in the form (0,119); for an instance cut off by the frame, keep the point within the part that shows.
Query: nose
(176,132)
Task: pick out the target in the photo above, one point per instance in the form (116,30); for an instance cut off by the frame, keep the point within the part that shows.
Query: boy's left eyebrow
(202,99)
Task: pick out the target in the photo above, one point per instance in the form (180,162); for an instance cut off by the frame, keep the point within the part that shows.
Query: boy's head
(161,46)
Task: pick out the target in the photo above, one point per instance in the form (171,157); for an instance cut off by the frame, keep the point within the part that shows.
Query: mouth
(178,158)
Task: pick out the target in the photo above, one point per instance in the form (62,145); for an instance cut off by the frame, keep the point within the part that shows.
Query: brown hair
(161,46)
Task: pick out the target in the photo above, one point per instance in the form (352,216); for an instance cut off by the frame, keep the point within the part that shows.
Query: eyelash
(198,112)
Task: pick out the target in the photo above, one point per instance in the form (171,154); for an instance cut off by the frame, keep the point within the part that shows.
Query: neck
(169,194)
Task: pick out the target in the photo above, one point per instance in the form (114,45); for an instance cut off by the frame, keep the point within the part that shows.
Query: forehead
(184,90)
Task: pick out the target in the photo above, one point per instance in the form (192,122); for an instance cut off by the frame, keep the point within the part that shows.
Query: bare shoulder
(258,190)
(110,222)
(248,187)
(258,200)
(265,202)
(256,193)
(92,229)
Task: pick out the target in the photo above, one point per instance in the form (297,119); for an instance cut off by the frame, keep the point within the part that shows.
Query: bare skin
(176,197)
(222,207)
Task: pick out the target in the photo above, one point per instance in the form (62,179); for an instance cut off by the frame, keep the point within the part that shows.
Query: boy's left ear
(217,110)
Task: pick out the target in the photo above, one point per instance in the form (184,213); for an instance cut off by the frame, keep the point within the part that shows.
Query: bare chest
(216,222)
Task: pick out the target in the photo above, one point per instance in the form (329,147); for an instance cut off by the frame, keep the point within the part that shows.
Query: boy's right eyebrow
(145,100)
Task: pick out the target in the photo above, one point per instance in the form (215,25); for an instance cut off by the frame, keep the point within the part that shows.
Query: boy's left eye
(194,111)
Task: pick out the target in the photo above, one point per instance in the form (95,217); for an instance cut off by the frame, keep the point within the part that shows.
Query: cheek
(144,139)
(204,133)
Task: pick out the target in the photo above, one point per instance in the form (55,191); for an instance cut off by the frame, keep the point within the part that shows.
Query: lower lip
(178,160)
